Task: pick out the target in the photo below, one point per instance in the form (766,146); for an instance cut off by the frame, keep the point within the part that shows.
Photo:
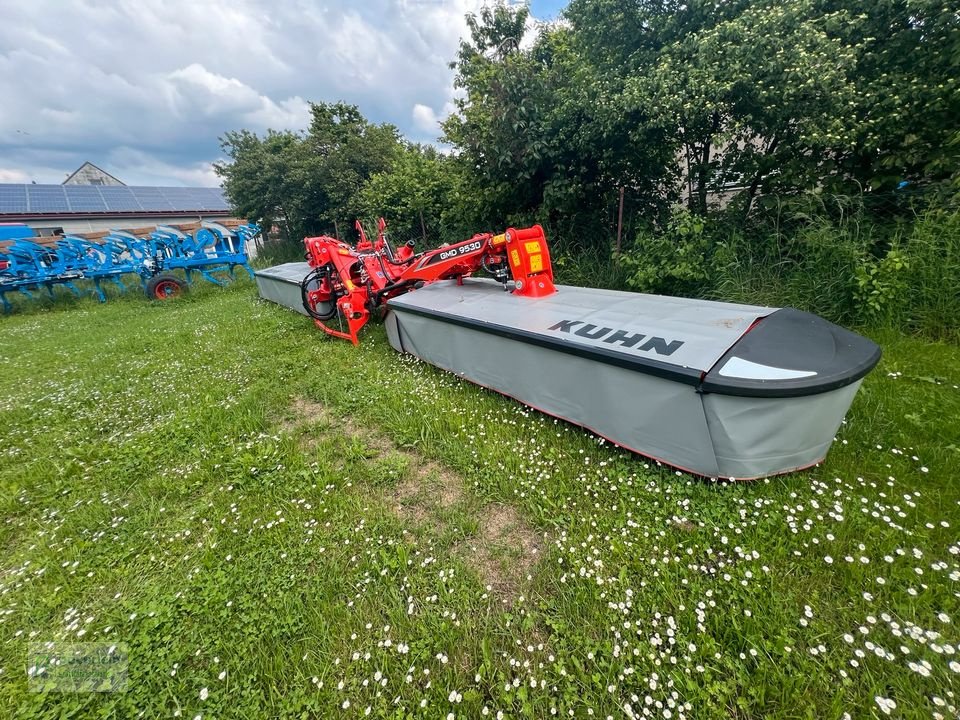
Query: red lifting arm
(349,282)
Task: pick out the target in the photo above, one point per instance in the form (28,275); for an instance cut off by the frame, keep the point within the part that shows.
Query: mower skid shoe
(356,315)
(354,324)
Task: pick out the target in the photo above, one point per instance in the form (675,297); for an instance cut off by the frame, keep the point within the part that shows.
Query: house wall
(83,224)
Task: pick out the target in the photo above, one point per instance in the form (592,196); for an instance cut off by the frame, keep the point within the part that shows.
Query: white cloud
(13,175)
(195,89)
(139,168)
(427,120)
(424,118)
(145,88)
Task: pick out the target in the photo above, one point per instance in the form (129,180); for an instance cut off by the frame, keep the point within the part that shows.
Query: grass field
(274,524)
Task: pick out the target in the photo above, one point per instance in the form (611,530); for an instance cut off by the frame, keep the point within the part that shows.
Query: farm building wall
(73,225)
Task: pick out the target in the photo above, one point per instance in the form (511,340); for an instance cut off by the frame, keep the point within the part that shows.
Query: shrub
(838,257)
(881,285)
(931,301)
(811,268)
(677,261)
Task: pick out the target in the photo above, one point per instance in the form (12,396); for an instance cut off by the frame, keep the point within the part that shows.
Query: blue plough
(26,265)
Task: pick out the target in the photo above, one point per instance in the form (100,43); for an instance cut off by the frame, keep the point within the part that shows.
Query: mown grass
(158,489)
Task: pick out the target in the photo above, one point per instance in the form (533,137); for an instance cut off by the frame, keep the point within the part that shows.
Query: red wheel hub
(166,289)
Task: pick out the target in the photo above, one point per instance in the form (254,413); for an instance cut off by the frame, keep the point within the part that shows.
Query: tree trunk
(620,221)
(703,176)
(757,179)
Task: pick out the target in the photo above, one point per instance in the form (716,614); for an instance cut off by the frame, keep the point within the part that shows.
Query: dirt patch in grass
(377,443)
(429,488)
(307,412)
(407,501)
(505,548)
(504,552)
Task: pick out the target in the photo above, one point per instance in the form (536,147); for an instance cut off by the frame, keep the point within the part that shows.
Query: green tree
(755,100)
(660,98)
(261,179)
(412,194)
(345,151)
(309,182)
(907,80)
(541,134)
(781,97)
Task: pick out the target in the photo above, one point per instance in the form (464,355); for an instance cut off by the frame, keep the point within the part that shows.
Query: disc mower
(718,389)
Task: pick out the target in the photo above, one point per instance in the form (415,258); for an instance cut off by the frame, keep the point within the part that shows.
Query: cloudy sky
(143,88)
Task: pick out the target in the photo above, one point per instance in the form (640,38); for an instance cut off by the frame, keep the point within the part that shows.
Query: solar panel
(181,192)
(119,199)
(210,198)
(85,198)
(217,199)
(13,199)
(183,198)
(151,199)
(65,199)
(47,199)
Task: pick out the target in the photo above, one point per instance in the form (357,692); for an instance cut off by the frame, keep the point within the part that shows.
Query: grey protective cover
(680,335)
(626,366)
(281,284)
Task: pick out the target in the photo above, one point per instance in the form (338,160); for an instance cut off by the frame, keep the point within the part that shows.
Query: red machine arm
(350,282)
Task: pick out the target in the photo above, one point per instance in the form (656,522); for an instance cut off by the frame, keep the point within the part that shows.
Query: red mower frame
(351,282)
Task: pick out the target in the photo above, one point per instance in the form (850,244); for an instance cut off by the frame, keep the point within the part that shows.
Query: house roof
(87,167)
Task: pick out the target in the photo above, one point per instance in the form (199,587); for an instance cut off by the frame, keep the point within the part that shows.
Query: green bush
(587,267)
(812,268)
(677,261)
(838,257)
(882,285)
(931,302)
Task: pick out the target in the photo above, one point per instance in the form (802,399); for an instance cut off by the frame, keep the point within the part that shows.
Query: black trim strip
(807,386)
(687,376)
